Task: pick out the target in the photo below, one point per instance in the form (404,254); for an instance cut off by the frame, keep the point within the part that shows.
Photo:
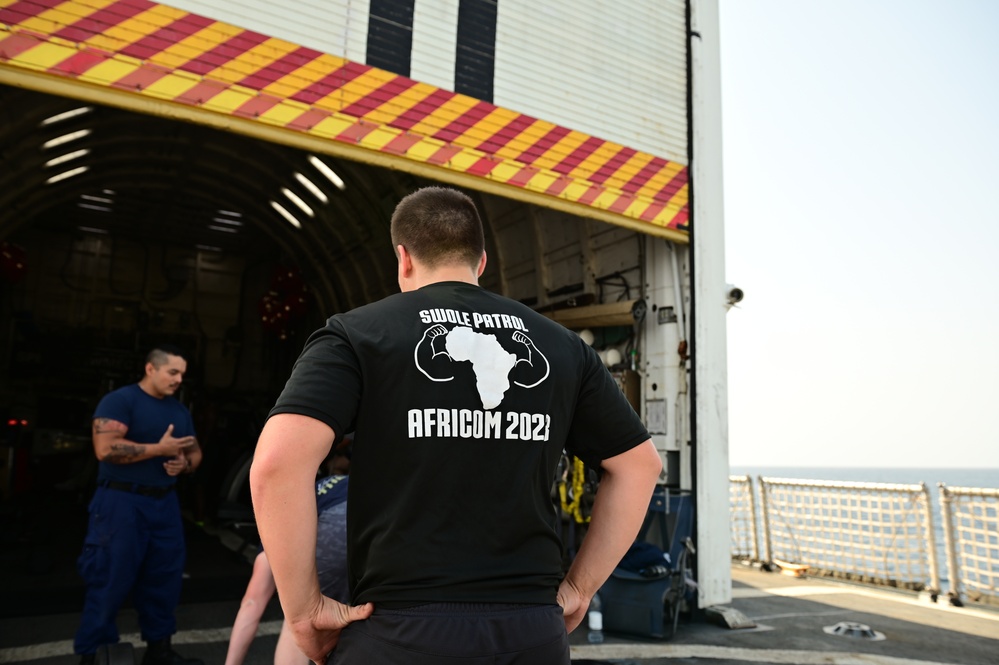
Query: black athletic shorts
(457,633)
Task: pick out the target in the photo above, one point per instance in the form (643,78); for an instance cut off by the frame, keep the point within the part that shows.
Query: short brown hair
(438,226)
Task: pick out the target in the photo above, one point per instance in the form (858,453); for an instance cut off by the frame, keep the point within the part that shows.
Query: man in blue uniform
(143,438)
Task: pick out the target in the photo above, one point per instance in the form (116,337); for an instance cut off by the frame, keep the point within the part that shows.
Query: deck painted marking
(65,647)
(820,590)
(780,656)
(614,651)
(787,591)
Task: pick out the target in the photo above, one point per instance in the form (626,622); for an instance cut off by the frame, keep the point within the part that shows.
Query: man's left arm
(193,457)
(187,461)
(619,508)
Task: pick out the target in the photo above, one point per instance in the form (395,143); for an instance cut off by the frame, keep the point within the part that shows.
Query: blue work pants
(134,544)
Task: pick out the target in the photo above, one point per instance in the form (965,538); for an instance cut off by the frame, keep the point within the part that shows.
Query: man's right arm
(282,483)
(110,444)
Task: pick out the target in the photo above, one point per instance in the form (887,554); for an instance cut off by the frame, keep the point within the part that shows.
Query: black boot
(87,658)
(159,652)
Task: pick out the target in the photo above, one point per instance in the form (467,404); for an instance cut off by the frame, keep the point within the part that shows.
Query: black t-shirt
(461,403)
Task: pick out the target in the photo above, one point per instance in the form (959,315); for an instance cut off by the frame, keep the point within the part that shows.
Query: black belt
(144,490)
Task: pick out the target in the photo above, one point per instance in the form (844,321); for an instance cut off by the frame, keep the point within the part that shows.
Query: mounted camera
(733,295)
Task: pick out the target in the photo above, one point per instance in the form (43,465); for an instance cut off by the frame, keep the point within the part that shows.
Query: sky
(861,168)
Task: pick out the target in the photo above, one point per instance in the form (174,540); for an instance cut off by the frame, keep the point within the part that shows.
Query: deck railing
(745,544)
(878,533)
(971,540)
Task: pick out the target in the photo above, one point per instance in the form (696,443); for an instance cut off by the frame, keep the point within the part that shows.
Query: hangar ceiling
(80,168)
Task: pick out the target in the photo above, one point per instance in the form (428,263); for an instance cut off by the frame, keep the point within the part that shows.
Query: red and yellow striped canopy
(136,52)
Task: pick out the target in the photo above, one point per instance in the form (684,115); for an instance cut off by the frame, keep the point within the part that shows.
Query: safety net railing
(971,540)
(742,501)
(878,533)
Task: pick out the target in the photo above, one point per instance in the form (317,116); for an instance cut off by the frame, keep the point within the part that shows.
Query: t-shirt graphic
(491,363)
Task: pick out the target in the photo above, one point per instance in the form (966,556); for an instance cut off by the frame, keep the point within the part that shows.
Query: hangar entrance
(120,230)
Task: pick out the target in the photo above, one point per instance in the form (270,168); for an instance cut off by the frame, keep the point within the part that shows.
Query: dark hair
(158,356)
(438,226)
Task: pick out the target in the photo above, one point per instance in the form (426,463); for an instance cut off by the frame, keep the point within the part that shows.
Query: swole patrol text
(472,319)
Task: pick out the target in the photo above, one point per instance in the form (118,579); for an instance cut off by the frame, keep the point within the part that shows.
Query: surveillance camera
(733,295)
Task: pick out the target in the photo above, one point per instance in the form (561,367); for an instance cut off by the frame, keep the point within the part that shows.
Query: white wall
(614,70)
(338,27)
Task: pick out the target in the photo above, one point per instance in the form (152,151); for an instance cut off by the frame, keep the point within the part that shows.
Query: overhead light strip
(65,138)
(91,206)
(297,200)
(227,222)
(67,174)
(59,117)
(96,199)
(287,215)
(62,159)
(327,172)
(313,189)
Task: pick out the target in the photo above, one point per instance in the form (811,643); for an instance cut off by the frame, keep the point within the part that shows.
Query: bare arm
(290,449)
(110,444)
(618,511)
(258,593)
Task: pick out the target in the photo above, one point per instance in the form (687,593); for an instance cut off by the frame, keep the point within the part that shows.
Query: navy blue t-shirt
(147,419)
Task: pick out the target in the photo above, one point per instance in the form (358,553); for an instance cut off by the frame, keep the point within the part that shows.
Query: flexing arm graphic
(532,368)
(429,357)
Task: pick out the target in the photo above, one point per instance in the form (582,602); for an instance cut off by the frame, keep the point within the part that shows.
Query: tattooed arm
(110,444)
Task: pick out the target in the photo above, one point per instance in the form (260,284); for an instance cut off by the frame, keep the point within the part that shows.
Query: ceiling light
(91,206)
(287,215)
(65,138)
(209,248)
(230,213)
(227,222)
(224,229)
(311,186)
(302,205)
(95,199)
(67,174)
(328,172)
(91,229)
(51,120)
(68,156)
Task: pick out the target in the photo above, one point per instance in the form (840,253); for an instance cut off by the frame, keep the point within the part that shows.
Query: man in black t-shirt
(462,402)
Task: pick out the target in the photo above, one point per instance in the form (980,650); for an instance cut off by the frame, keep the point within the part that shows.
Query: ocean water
(981,478)
(988,478)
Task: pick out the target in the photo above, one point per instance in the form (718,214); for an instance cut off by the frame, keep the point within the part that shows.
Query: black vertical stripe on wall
(475,53)
(390,35)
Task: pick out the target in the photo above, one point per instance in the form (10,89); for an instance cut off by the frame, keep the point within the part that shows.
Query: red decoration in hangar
(13,262)
(286,301)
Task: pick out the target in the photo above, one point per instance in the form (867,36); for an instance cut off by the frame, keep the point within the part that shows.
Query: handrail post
(953,580)
(752,521)
(931,539)
(766,523)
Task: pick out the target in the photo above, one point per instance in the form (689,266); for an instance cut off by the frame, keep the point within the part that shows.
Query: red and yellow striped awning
(154,58)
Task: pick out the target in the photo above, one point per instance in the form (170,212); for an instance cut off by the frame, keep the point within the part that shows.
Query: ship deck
(789,617)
